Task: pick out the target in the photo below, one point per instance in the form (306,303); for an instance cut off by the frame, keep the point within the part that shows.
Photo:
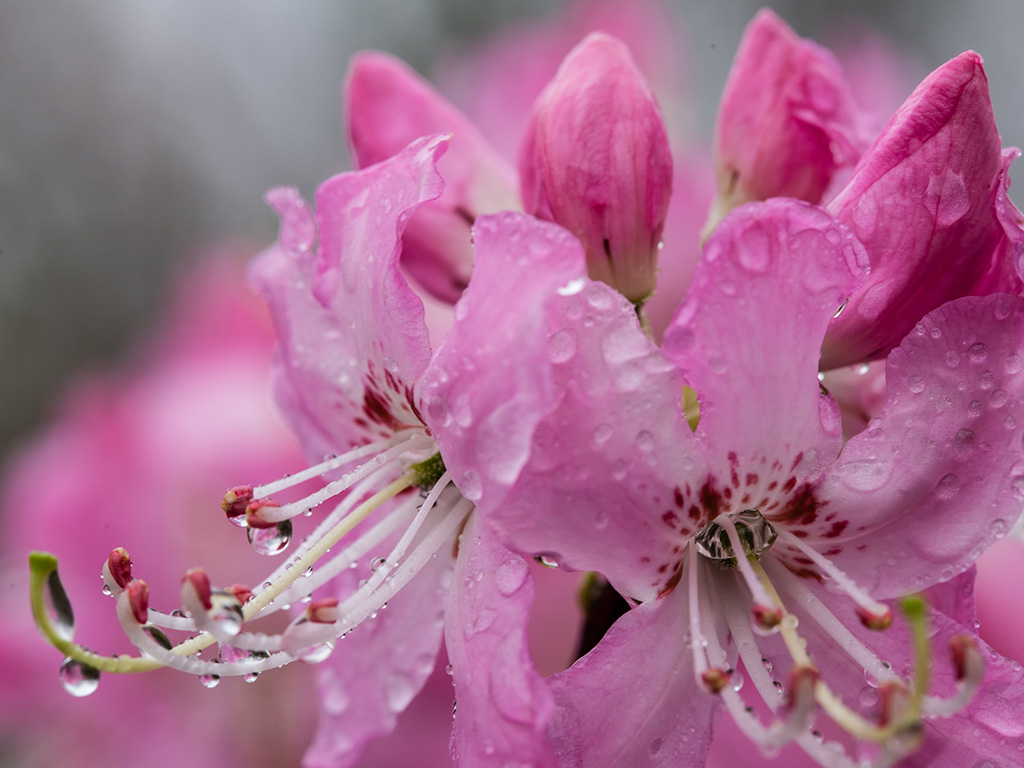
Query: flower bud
(928,201)
(595,159)
(786,122)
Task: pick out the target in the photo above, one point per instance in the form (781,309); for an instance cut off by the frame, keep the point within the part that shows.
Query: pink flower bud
(388,106)
(595,159)
(928,201)
(786,122)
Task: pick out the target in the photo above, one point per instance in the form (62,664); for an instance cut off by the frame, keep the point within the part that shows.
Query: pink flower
(133,457)
(611,477)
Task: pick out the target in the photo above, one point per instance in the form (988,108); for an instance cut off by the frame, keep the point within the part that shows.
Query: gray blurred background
(132,132)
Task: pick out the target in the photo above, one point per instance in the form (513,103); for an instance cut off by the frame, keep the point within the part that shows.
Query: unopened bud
(595,159)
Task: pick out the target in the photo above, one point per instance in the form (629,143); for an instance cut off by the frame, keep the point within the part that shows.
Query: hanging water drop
(62,617)
(158,636)
(271,541)
(209,681)
(79,679)
(251,677)
(225,614)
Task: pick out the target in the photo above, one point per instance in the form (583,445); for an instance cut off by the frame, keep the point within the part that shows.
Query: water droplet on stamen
(549,559)
(377,563)
(79,679)
(209,681)
(271,541)
(251,677)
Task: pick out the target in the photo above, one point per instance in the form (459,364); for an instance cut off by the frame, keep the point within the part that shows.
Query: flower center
(755,533)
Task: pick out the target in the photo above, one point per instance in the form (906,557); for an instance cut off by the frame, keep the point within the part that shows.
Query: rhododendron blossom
(813,584)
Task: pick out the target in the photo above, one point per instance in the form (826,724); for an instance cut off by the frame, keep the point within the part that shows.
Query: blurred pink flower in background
(139,457)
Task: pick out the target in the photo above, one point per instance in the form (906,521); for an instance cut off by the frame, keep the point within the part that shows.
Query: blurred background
(135,133)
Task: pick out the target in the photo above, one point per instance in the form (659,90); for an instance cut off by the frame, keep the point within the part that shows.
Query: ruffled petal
(786,123)
(387,106)
(502,704)
(634,700)
(747,337)
(378,668)
(939,474)
(353,337)
(928,202)
(559,417)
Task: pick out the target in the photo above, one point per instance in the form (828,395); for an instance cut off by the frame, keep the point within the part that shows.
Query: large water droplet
(225,613)
(470,485)
(977,352)
(314,654)
(251,677)
(511,574)
(948,486)
(916,384)
(755,533)
(158,636)
(271,541)
(1014,364)
(549,559)
(77,678)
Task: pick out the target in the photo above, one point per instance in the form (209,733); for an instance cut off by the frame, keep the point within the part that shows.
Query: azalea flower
(746,536)
(132,456)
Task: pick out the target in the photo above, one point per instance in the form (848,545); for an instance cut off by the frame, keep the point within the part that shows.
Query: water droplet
(251,677)
(209,681)
(471,486)
(449,669)
(314,654)
(948,486)
(400,691)
(963,439)
(767,664)
(106,590)
(390,364)
(601,520)
(998,398)
(778,687)
(1014,364)
(987,380)
(377,563)
(599,296)
(572,287)
(79,679)
(159,637)
(952,359)
(645,441)
(998,528)
(948,193)
(510,575)
(602,433)
(271,541)
(562,346)
(974,409)
(916,384)
(869,695)
(549,559)
(935,332)
(977,352)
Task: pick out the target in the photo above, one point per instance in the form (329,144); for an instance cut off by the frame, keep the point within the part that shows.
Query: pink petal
(388,106)
(378,668)
(1000,575)
(747,338)
(503,704)
(786,121)
(353,339)
(939,474)
(634,699)
(928,202)
(595,159)
(559,417)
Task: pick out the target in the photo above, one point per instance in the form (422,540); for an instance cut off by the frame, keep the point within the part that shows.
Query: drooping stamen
(873,614)
(970,672)
(713,679)
(117,571)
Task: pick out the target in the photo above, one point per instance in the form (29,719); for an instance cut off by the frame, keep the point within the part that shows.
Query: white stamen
(757,590)
(329,465)
(847,584)
(838,631)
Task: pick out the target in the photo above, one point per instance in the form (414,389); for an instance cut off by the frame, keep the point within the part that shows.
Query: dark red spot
(727,492)
(662,568)
(694,512)
(645,559)
(711,499)
(802,507)
(670,518)
(733,458)
(804,573)
(790,485)
(752,478)
(796,461)
(745,500)
(773,485)
(678,494)
(832,552)
(673,580)
(837,528)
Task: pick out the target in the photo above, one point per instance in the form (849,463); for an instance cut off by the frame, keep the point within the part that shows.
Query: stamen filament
(329,465)
(332,489)
(847,584)
(757,591)
(698,643)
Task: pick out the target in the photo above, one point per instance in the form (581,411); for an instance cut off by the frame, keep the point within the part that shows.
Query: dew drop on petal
(549,559)
(869,695)
(511,574)
(916,384)
(977,352)
(562,346)
(399,691)
(948,486)
(271,541)
(79,679)
(470,485)
(1014,364)
(963,439)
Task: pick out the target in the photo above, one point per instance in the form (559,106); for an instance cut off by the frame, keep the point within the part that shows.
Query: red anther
(894,700)
(201,584)
(241,592)
(252,513)
(714,679)
(236,500)
(120,567)
(768,617)
(802,680)
(138,599)
(875,621)
(966,658)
